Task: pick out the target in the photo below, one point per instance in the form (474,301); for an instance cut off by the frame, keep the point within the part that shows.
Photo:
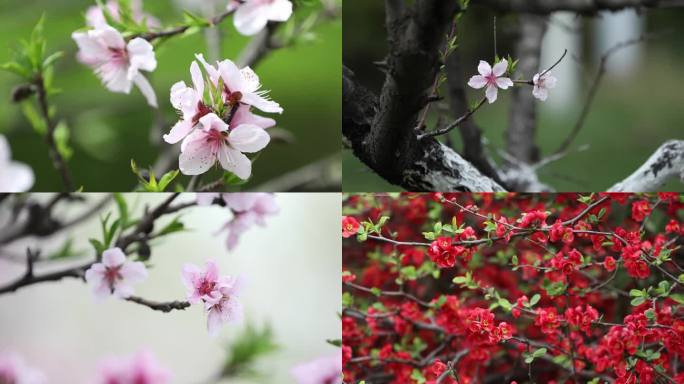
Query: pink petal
(196,156)
(133,272)
(491,93)
(211,70)
(214,322)
(504,82)
(540,93)
(206,198)
(197,79)
(244,116)
(141,54)
(189,274)
(231,75)
(248,138)
(146,89)
(211,121)
(484,69)
(261,103)
(113,257)
(179,131)
(241,201)
(500,68)
(234,161)
(110,37)
(250,80)
(477,82)
(250,18)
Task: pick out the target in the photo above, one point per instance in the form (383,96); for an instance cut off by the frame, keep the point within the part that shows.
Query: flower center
(112,274)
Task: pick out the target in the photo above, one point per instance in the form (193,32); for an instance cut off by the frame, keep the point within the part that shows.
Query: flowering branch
(165,34)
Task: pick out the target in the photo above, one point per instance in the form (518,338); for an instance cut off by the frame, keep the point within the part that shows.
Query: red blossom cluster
(503,288)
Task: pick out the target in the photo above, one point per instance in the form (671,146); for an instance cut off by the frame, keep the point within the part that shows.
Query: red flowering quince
(513,288)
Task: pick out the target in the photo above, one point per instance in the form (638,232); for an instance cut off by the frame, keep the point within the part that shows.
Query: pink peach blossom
(239,85)
(189,102)
(492,78)
(324,370)
(141,368)
(115,275)
(222,305)
(115,62)
(216,142)
(251,16)
(14,370)
(95,17)
(201,284)
(249,209)
(542,84)
(14,176)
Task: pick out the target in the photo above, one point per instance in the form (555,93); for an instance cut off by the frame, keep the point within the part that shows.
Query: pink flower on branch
(492,78)
(324,370)
(189,101)
(542,83)
(251,16)
(96,18)
(141,368)
(116,62)
(115,275)
(239,85)
(219,294)
(14,370)
(216,142)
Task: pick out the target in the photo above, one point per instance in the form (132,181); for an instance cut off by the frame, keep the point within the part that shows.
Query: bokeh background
(637,107)
(110,129)
(292,268)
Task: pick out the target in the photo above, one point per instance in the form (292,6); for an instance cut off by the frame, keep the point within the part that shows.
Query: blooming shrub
(502,288)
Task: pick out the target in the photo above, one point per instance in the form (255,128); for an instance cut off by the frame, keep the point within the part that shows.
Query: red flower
(533,217)
(349,226)
(672,226)
(582,318)
(547,320)
(638,269)
(609,264)
(443,253)
(640,209)
(346,354)
(559,232)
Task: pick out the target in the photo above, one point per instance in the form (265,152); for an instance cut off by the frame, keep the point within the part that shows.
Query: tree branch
(160,306)
(587,7)
(665,163)
(434,166)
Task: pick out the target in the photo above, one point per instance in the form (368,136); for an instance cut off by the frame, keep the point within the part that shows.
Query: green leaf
(678,297)
(637,293)
(334,342)
(535,299)
(61,135)
(174,226)
(166,179)
(376,291)
(638,301)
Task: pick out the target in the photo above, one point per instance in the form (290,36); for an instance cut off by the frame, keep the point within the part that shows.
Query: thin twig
(454,124)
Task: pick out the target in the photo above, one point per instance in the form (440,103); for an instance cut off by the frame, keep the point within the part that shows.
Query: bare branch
(665,163)
(160,306)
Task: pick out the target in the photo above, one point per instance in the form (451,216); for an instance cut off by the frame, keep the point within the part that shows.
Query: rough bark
(434,166)
(665,163)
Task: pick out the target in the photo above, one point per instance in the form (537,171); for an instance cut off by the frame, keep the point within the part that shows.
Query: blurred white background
(293,268)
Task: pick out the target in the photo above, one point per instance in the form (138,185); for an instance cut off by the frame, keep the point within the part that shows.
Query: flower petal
(211,121)
(491,93)
(234,161)
(181,129)
(248,138)
(197,79)
(477,82)
(197,156)
(540,93)
(146,88)
(280,10)
(113,257)
(500,68)
(484,69)
(261,103)
(250,18)
(504,82)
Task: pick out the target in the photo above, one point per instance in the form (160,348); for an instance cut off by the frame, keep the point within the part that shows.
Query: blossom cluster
(537,288)
(220,127)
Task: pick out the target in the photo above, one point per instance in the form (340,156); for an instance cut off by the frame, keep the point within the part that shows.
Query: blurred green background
(109,129)
(630,118)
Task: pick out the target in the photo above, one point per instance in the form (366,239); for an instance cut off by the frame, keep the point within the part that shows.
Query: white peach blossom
(251,16)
